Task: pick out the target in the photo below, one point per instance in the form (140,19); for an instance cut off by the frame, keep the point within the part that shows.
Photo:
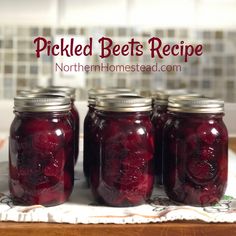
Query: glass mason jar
(41,164)
(71,92)
(89,131)
(159,118)
(122,171)
(195,151)
(90,122)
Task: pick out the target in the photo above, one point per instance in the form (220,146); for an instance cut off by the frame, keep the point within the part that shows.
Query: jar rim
(124,103)
(93,94)
(166,93)
(162,99)
(41,103)
(69,91)
(195,105)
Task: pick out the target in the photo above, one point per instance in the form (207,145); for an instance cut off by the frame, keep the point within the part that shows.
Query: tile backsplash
(213,74)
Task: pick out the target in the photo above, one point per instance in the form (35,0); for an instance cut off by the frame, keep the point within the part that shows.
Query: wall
(211,22)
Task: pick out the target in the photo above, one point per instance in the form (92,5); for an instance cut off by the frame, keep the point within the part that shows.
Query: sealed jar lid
(67,90)
(161,97)
(41,103)
(195,105)
(119,89)
(41,92)
(145,92)
(127,103)
(93,94)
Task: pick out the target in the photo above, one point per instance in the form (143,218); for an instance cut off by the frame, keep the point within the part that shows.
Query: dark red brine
(76,123)
(90,123)
(61,91)
(71,92)
(195,151)
(41,165)
(159,118)
(89,132)
(122,173)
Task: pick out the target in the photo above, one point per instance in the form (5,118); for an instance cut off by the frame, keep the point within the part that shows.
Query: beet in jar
(41,164)
(89,132)
(90,123)
(195,151)
(71,92)
(122,174)
(159,118)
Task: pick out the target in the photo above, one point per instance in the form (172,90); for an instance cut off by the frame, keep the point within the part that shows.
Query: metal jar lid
(93,94)
(71,92)
(145,92)
(41,103)
(124,103)
(195,105)
(161,97)
(42,92)
(119,89)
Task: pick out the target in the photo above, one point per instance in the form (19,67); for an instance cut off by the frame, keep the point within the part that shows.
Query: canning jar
(90,123)
(159,118)
(195,151)
(64,92)
(122,171)
(89,131)
(41,151)
(71,92)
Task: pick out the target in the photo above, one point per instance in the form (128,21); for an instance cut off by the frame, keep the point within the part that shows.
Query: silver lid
(145,92)
(93,94)
(41,103)
(119,89)
(195,105)
(41,92)
(161,97)
(122,103)
(28,91)
(71,92)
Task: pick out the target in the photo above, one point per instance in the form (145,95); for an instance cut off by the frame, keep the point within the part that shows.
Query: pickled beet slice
(33,126)
(67,131)
(113,131)
(139,192)
(207,132)
(44,182)
(112,176)
(31,179)
(131,177)
(201,170)
(47,141)
(191,140)
(137,158)
(55,164)
(202,195)
(132,141)
(207,193)
(48,196)
(207,153)
(146,186)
